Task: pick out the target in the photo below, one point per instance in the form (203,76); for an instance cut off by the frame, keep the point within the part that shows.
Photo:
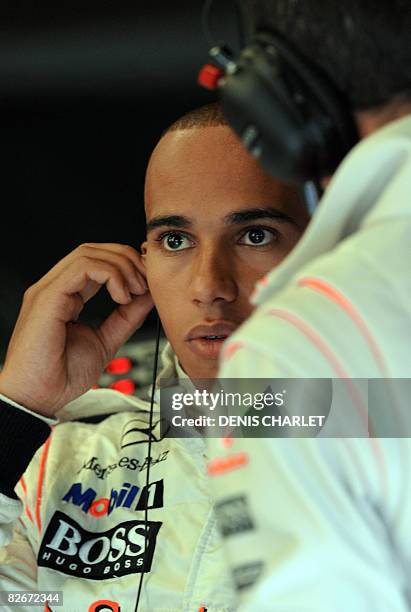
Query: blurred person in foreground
(327,522)
(73,500)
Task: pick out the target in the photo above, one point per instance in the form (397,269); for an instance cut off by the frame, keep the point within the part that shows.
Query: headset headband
(286,111)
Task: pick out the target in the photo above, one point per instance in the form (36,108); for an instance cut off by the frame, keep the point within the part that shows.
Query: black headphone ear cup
(286,114)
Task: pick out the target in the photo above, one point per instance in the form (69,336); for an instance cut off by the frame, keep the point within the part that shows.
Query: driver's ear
(143,250)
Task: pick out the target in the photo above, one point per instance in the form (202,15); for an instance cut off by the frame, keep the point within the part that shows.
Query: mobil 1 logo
(70,549)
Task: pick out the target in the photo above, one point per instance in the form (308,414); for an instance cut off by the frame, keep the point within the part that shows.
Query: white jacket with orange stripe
(79,527)
(325,524)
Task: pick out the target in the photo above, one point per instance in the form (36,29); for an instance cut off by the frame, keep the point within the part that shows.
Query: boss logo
(70,549)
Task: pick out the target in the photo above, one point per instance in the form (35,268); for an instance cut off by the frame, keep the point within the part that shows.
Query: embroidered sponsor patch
(70,549)
(246,575)
(128,496)
(234,516)
(128,463)
(138,431)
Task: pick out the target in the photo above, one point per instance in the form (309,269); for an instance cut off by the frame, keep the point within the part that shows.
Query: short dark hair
(363,45)
(208,115)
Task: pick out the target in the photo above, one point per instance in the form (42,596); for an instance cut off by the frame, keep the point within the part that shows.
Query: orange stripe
(311,334)
(27,509)
(23,484)
(337,297)
(227,441)
(43,460)
(26,506)
(221,465)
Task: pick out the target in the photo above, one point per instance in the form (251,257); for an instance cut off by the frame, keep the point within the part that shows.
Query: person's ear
(143,250)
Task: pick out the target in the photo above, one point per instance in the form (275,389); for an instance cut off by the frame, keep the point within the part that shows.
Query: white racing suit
(77,522)
(324,525)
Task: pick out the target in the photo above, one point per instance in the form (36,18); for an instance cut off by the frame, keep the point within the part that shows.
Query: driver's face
(216,224)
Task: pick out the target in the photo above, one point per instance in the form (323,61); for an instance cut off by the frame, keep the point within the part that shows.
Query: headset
(286,111)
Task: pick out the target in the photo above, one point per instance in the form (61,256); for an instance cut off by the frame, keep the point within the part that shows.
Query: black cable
(153,389)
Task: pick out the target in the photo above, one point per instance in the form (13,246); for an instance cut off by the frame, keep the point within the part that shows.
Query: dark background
(86,89)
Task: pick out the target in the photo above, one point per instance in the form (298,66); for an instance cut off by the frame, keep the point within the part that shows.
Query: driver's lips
(206,340)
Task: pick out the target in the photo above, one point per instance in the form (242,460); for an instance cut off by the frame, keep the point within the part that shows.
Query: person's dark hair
(208,115)
(363,45)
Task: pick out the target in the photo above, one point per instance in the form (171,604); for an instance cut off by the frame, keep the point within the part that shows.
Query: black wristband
(21,434)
